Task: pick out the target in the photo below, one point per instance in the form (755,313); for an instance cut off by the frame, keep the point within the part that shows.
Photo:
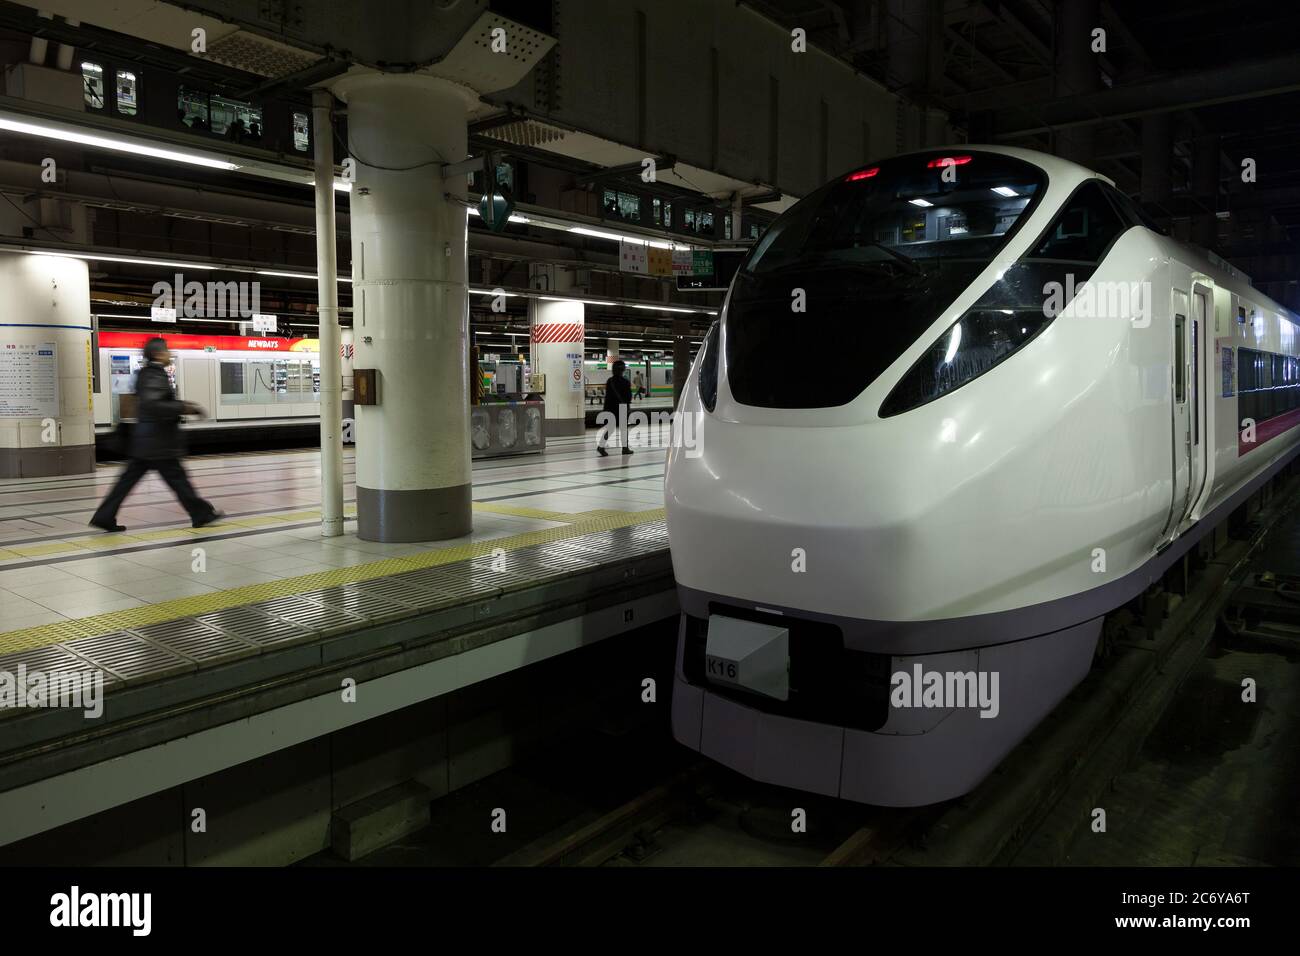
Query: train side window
(1248,375)
(1180,358)
(92,85)
(192,108)
(1085,228)
(301,138)
(1196,367)
(128,103)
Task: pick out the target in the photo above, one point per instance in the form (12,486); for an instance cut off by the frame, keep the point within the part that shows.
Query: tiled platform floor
(60,580)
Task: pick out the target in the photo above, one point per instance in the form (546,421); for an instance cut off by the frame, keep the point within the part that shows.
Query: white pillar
(346,350)
(555,350)
(47,420)
(327,309)
(410,306)
(611,352)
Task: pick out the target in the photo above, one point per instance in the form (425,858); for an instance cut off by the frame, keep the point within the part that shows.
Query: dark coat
(157,433)
(618,391)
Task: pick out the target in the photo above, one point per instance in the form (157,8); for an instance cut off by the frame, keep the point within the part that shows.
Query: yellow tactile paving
(111,541)
(516,511)
(41,550)
(47,634)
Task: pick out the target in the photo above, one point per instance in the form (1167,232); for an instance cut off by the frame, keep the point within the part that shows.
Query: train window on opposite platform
(92,85)
(128,103)
(301,138)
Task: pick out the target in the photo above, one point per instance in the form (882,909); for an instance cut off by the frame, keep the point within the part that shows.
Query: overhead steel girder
(1177,91)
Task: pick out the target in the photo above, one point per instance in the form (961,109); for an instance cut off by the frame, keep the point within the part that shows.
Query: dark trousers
(616,429)
(172,472)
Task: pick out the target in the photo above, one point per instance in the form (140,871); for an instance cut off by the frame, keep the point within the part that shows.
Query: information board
(632,258)
(29,380)
(575,371)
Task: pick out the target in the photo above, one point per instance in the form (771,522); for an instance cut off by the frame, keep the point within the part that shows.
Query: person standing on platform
(156,442)
(618,402)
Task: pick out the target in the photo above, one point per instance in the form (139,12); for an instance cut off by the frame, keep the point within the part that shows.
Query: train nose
(800,518)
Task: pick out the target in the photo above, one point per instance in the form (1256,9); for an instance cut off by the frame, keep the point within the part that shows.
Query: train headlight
(708,375)
(973,344)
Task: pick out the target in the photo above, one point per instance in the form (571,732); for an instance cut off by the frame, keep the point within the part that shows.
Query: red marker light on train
(862,174)
(947,161)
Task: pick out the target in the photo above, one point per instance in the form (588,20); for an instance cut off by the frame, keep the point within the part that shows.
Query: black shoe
(200,522)
(601,452)
(105,526)
(627,451)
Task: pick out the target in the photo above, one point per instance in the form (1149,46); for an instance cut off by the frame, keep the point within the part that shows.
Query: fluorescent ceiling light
(664,308)
(68,135)
(560,298)
(584,231)
(621,237)
(920,202)
(127,259)
(295,275)
(1005,191)
(508,295)
(663,341)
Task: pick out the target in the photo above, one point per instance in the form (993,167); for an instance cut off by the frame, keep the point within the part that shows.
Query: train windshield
(851,275)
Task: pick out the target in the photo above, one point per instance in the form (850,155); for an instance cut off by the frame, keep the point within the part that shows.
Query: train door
(1200,388)
(1181,416)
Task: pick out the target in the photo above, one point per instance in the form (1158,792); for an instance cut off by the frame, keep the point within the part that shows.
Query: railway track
(707,811)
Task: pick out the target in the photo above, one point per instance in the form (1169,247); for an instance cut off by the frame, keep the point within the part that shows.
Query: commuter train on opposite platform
(1044,402)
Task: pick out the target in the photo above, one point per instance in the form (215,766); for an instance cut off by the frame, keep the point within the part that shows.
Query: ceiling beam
(971,47)
(1177,91)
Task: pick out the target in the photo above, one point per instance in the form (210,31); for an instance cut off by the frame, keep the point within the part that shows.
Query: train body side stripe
(1269,428)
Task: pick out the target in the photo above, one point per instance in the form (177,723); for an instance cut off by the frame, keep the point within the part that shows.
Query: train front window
(924,207)
(870,260)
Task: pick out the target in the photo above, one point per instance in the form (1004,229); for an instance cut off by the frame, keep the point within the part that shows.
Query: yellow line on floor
(47,634)
(498,508)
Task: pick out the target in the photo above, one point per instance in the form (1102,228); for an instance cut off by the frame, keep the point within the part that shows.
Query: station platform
(225,643)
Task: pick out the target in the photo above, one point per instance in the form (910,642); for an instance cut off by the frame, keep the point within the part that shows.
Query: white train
(890,574)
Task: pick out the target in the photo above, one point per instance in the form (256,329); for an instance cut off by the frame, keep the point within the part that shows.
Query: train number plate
(749,656)
(720,669)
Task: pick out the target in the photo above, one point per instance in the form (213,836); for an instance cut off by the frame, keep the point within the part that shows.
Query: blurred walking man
(156,442)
